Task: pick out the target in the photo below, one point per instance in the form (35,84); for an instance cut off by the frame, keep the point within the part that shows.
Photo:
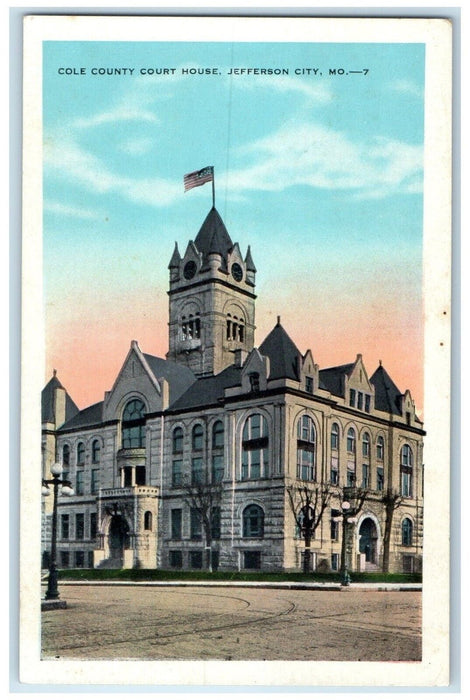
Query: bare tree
(203,498)
(308,502)
(391,500)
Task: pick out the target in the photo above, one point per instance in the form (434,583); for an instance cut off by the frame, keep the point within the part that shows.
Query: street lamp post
(347,516)
(52,593)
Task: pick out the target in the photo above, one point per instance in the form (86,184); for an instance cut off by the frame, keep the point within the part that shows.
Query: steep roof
(178,377)
(48,401)
(282,352)
(92,415)
(213,237)
(208,390)
(331,378)
(387,394)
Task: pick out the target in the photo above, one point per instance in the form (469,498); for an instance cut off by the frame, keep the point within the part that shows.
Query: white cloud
(136,146)
(318,92)
(310,154)
(67,210)
(119,114)
(66,158)
(407,87)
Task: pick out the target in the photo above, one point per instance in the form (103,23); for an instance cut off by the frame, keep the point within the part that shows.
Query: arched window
(351,440)
(81,453)
(406,470)
(178,440)
(306,449)
(255,447)
(366,445)
(380,448)
(95,451)
(66,456)
(253,521)
(218,451)
(198,435)
(133,424)
(406,532)
(334,436)
(147,520)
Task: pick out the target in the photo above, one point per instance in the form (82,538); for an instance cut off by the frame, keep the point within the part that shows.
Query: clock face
(190,269)
(237,272)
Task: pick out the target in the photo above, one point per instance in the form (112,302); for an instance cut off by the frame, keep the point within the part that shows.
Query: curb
(294,586)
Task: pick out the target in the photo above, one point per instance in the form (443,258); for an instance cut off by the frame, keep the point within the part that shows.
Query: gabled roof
(283,354)
(208,390)
(48,401)
(178,376)
(387,394)
(92,415)
(332,378)
(213,237)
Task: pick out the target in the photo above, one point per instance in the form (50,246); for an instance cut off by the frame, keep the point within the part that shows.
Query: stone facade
(189,459)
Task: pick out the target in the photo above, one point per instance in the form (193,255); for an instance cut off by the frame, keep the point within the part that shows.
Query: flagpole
(213,187)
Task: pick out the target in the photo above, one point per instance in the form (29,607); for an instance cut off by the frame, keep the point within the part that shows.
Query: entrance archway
(368,540)
(118,537)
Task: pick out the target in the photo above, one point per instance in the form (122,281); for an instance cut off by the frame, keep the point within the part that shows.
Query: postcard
(235,352)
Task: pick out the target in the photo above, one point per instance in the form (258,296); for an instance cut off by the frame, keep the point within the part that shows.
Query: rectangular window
(140,476)
(79,560)
(79,526)
(177,472)
(309,385)
(365,476)
(93,528)
(252,560)
(380,479)
(334,562)
(197,471)
(215,523)
(127,473)
(195,524)
(91,562)
(367,403)
(334,525)
(195,560)
(350,478)
(64,560)
(176,559)
(95,480)
(352,397)
(406,483)
(80,483)
(360,398)
(408,564)
(65,526)
(217,468)
(334,472)
(176,523)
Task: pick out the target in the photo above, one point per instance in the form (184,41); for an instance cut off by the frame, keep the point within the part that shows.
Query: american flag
(198,178)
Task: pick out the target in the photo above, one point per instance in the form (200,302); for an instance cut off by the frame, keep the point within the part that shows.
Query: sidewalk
(287,585)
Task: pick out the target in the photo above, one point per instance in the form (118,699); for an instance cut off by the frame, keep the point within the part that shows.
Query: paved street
(145,622)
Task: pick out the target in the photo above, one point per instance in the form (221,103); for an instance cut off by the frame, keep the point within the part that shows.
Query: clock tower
(212,300)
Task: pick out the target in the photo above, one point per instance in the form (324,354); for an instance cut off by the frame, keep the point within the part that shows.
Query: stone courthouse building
(243,423)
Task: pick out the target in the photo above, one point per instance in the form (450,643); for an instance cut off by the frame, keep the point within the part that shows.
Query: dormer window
(254,382)
(309,385)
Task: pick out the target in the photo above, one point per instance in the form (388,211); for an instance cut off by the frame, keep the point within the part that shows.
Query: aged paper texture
(325,146)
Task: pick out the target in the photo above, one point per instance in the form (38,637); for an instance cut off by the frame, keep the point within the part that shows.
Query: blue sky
(321,174)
